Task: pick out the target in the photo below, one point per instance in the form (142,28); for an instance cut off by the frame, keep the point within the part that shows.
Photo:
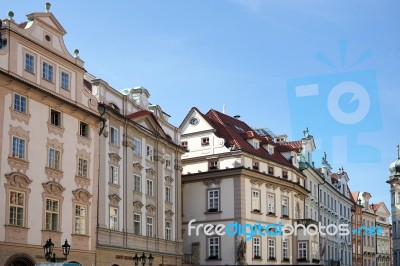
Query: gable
(147,120)
(195,122)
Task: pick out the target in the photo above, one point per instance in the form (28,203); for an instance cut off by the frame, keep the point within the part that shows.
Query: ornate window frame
(15,163)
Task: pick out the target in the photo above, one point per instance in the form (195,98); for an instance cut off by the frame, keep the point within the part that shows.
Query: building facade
(139,207)
(233,174)
(48,160)
(383,242)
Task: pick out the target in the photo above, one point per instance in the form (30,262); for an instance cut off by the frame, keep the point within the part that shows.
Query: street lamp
(142,259)
(50,255)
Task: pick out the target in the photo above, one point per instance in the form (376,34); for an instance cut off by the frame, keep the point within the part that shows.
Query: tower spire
(398,151)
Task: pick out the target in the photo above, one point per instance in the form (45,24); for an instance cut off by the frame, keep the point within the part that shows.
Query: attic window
(271,170)
(256,144)
(213,165)
(285,174)
(205,141)
(270,150)
(184,144)
(256,166)
(47,37)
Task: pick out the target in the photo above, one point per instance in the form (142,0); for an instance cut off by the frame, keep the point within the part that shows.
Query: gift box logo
(340,109)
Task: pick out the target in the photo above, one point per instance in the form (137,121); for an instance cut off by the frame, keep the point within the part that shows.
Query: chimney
(236,116)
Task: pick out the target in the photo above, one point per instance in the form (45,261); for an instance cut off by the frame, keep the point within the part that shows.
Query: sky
(331,66)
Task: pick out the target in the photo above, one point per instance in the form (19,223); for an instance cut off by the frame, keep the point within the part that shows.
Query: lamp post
(142,259)
(51,256)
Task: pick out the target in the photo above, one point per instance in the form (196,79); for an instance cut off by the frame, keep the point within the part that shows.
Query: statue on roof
(306,133)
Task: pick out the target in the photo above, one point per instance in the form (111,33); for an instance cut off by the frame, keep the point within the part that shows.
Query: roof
(235,132)
(87,84)
(376,206)
(290,146)
(355,195)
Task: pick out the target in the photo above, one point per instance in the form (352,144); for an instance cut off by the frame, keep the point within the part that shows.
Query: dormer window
(213,165)
(256,166)
(270,150)
(205,141)
(285,174)
(271,170)
(256,144)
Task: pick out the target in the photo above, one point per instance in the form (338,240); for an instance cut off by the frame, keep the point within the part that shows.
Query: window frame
(168,230)
(270,207)
(168,194)
(14,219)
(81,218)
(114,175)
(55,121)
(16,153)
(84,127)
(149,226)
(287,207)
(149,153)
(137,224)
(68,87)
(285,249)
(137,183)
(83,166)
(271,249)
(301,250)
(22,106)
(33,71)
(149,188)
(114,136)
(47,73)
(205,141)
(54,163)
(255,200)
(213,202)
(137,147)
(50,226)
(113,217)
(217,245)
(257,248)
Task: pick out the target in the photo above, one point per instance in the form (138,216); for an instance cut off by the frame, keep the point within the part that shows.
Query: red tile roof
(234,131)
(355,195)
(376,206)
(290,146)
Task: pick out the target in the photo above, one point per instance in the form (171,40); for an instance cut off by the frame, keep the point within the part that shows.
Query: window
(83,129)
(271,203)
(29,63)
(55,118)
(285,174)
(168,162)
(213,165)
(17,208)
(285,250)
(205,141)
(82,167)
(184,144)
(114,136)
(256,166)
(271,170)
(149,188)
(302,250)
(47,72)
(64,80)
(137,147)
(149,153)
(18,148)
(137,183)
(113,218)
(256,144)
(54,159)
(149,226)
(168,229)
(136,224)
(213,247)
(213,200)
(19,103)
(80,219)
(52,213)
(114,174)
(271,249)
(270,150)
(256,248)
(285,207)
(255,200)
(167,194)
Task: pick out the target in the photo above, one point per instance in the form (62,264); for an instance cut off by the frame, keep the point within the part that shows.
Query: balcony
(307,222)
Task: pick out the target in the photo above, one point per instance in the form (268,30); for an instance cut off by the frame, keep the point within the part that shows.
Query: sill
(257,212)
(20,227)
(212,212)
(48,80)
(113,185)
(212,259)
(285,217)
(257,258)
(80,235)
(302,260)
(114,145)
(137,192)
(150,196)
(272,258)
(271,214)
(30,72)
(67,89)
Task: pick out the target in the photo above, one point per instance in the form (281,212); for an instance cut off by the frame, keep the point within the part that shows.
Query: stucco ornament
(241,250)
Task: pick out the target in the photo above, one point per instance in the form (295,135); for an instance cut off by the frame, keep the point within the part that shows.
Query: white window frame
(137,183)
(257,247)
(29,62)
(149,226)
(213,199)
(168,230)
(168,194)
(64,80)
(213,246)
(137,147)
(113,218)
(47,71)
(80,219)
(255,200)
(149,152)
(18,147)
(270,203)
(114,174)
(285,206)
(205,141)
(20,103)
(54,159)
(83,167)
(149,187)
(271,248)
(55,118)
(302,250)
(137,223)
(52,214)
(16,208)
(285,249)
(83,129)
(168,161)
(114,136)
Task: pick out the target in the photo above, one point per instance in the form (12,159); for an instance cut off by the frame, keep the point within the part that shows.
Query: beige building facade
(48,130)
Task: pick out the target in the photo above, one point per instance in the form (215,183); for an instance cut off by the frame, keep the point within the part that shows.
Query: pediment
(53,188)
(81,195)
(195,121)
(48,19)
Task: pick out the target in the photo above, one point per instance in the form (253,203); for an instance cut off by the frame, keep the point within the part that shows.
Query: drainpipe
(125,171)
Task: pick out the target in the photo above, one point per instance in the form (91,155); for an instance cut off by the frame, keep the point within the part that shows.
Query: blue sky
(244,53)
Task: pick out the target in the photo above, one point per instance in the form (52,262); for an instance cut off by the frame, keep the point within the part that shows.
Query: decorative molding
(82,195)
(169,215)
(168,180)
(18,164)
(151,210)
(270,187)
(137,206)
(285,191)
(54,174)
(114,158)
(53,188)
(114,199)
(55,129)
(82,181)
(18,180)
(178,167)
(84,140)
(256,182)
(212,182)
(21,117)
(137,168)
(150,172)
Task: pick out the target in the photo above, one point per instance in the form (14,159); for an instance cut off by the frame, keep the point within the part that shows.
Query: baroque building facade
(234,175)
(48,159)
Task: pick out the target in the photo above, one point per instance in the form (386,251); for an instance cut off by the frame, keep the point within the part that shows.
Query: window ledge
(17,227)
(257,212)
(18,164)
(217,212)
(53,173)
(113,185)
(57,130)
(20,116)
(208,259)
